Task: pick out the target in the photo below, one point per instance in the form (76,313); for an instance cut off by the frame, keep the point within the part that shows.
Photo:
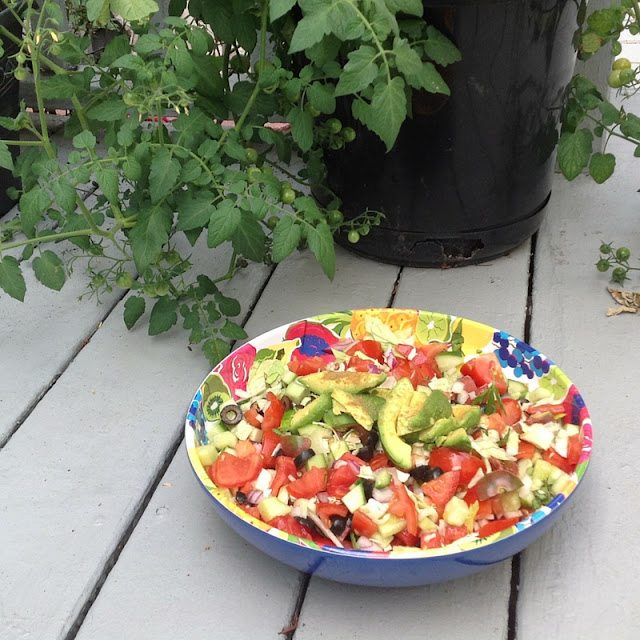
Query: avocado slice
(458,439)
(363,408)
(436,407)
(311,412)
(350,381)
(440,428)
(411,409)
(471,418)
(396,448)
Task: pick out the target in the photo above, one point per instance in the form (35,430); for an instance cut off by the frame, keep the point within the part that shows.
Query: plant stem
(65,235)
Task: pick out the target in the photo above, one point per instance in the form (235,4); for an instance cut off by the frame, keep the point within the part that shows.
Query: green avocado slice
(396,448)
(350,381)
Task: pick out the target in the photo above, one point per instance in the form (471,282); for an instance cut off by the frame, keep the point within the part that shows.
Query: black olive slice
(231,414)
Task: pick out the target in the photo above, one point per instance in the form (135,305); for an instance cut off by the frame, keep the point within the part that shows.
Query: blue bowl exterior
(352,567)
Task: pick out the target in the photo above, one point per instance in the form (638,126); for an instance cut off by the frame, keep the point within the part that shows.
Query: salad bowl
(434,539)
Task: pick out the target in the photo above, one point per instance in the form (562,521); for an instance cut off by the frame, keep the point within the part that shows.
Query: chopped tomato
(369,348)
(273,413)
(309,484)
(525,450)
(496,525)
(405,539)
(251,510)
(349,457)
(510,412)
(245,448)
(485,508)
(306,366)
(285,469)
(232,471)
(362,524)
(497,423)
(358,364)
(340,480)
(290,525)
(553,457)
(485,369)
(270,440)
(327,509)
(403,506)
(430,539)
(574,449)
(442,489)
(450,459)
(417,373)
(251,416)
(553,409)
(379,461)
(453,533)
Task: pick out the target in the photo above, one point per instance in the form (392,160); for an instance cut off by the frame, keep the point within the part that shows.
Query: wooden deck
(105,534)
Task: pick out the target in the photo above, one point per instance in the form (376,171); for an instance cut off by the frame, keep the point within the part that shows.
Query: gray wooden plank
(77,470)
(494,293)
(247,585)
(578,581)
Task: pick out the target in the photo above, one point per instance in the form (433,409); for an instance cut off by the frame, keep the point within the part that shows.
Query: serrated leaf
(311,29)
(429,78)
(228,306)
(49,270)
(630,126)
(194,211)
(286,237)
(591,43)
(410,7)
(119,46)
(147,43)
(301,127)
(65,194)
(163,315)
(574,150)
(6,159)
(84,140)
(134,10)
(134,307)
(601,166)
(32,206)
(345,21)
(11,278)
(215,350)
(108,181)
(108,111)
(407,59)
(248,239)
(232,331)
(277,8)
(321,243)
(440,49)
(164,173)
(610,115)
(321,97)
(359,72)
(388,110)
(223,222)
(149,234)
(95,8)
(245,30)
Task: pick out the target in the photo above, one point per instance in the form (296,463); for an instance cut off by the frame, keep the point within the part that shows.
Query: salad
(380,445)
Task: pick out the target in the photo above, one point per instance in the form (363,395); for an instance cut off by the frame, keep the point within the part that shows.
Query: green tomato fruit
(335,216)
(603,265)
(364,230)
(334,125)
(623,254)
(353,236)
(287,196)
(614,80)
(605,248)
(162,289)
(173,257)
(311,110)
(621,63)
(252,155)
(98,280)
(130,98)
(21,58)
(348,134)
(272,222)
(20,73)
(627,76)
(253,175)
(619,275)
(616,48)
(124,280)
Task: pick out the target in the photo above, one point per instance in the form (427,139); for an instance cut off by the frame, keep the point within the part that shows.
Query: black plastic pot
(470,175)
(9,103)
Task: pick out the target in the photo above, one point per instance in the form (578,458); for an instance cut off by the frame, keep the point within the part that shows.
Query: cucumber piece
(296,391)
(390,525)
(207,453)
(271,508)
(456,512)
(355,498)
(224,440)
(383,479)
(337,448)
(320,437)
(447,360)
(517,390)
(319,460)
(242,430)
(288,377)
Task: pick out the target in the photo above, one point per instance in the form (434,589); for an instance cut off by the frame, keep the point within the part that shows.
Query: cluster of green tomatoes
(621,73)
(618,259)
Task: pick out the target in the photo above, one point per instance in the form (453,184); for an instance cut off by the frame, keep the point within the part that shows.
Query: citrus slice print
(556,382)
(401,321)
(433,327)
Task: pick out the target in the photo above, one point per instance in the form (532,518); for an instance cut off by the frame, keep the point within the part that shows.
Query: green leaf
(610,115)
(228,306)
(134,10)
(301,127)
(150,232)
(429,78)
(410,7)
(321,97)
(440,49)
(6,160)
(49,270)
(95,8)
(407,59)
(232,330)
(630,126)
(388,110)
(216,350)
(345,21)
(108,111)
(286,237)
(277,8)
(194,211)
(33,205)
(248,239)
(591,42)
(359,72)
(164,173)
(163,315)
(321,244)
(574,150)
(224,221)
(245,29)
(602,166)
(84,140)
(134,307)
(11,278)
(147,43)
(119,46)
(65,194)
(311,29)
(108,180)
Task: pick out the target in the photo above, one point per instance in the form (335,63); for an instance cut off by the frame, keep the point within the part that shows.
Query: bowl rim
(275,338)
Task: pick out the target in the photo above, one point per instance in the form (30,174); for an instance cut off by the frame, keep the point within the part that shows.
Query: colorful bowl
(312,336)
